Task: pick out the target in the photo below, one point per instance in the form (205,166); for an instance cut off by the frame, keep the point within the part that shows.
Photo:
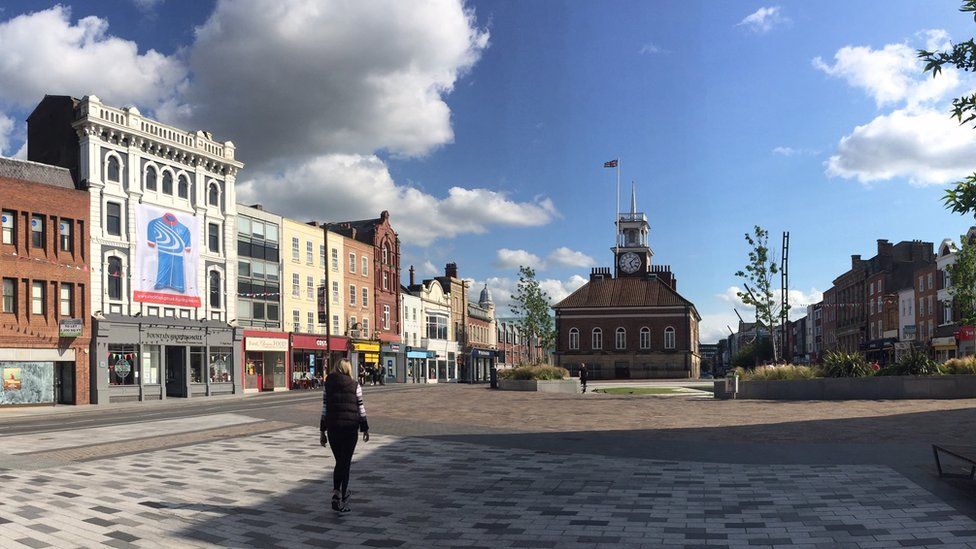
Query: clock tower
(632,255)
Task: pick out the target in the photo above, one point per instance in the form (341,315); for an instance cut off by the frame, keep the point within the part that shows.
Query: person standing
(583,376)
(343,417)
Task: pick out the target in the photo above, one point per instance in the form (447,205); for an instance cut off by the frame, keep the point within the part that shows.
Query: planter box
(856,388)
(565,386)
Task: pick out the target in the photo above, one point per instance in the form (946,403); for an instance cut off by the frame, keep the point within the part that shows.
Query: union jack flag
(610,164)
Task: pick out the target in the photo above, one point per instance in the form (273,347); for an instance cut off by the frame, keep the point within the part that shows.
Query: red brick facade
(47,263)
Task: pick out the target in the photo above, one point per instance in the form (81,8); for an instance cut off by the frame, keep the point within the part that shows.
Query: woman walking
(343,417)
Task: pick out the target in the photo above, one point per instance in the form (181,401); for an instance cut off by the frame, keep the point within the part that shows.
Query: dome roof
(485,296)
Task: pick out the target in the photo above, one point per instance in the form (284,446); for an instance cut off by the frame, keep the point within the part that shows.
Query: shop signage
(481,353)
(70,327)
(265,344)
(172,338)
(366,346)
(966,333)
(309,342)
(944,342)
(391,348)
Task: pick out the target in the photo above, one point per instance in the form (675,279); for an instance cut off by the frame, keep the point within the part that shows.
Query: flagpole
(616,220)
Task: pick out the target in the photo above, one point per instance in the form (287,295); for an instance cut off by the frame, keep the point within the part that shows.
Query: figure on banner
(172,239)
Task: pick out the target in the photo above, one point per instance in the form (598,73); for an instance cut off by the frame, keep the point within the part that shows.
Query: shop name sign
(70,327)
(265,344)
(164,338)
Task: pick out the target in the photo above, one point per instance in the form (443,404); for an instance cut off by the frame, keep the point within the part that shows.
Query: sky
(483,126)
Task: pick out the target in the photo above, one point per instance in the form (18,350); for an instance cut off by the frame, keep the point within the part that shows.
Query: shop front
(338,350)
(944,348)
(393,358)
(417,364)
(365,355)
(135,358)
(881,351)
(266,361)
(309,356)
(478,366)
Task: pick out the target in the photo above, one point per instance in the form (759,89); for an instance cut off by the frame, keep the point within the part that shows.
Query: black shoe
(346,497)
(339,506)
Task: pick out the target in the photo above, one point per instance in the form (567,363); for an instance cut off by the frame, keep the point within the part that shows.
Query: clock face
(629,262)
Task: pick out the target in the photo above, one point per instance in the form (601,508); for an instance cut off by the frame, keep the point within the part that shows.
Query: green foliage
(840,364)
(913,363)
(777,372)
(959,366)
(539,373)
(532,308)
(753,353)
(757,282)
(962,273)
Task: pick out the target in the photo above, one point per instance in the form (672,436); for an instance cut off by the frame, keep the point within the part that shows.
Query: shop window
(574,338)
(37,231)
(183,187)
(9,295)
(167,183)
(645,338)
(150,178)
(113,169)
(213,237)
(196,364)
(215,290)
(309,253)
(596,339)
(150,363)
(365,297)
(114,278)
(7,221)
(113,218)
(64,235)
(669,338)
(121,365)
(221,362)
(67,308)
(37,298)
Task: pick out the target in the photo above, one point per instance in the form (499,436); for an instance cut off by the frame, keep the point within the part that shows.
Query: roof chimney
(450,270)
(411,275)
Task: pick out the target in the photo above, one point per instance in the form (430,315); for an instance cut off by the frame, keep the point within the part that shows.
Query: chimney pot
(411,275)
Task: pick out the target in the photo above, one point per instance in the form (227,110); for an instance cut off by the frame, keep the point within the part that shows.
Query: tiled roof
(35,172)
(623,292)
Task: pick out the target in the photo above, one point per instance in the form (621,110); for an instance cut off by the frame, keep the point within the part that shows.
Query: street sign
(70,327)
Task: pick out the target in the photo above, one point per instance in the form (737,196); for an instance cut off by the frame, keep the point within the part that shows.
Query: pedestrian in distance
(343,418)
(583,376)
(362,376)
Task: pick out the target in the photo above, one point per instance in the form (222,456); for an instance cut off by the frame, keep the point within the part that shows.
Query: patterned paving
(271,490)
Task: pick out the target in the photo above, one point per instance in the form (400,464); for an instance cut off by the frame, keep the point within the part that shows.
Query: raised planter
(565,386)
(855,388)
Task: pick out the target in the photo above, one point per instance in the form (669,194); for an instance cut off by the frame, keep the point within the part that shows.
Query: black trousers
(343,444)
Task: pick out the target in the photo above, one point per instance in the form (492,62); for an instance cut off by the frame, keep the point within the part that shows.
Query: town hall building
(631,323)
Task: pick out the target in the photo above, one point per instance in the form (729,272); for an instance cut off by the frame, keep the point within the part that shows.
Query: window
(574,338)
(167,183)
(196,364)
(386,317)
(335,259)
(352,323)
(335,291)
(221,362)
(67,309)
(122,362)
(386,281)
(296,320)
(335,324)
(37,298)
(365,297)
(645,338)
(114,278)
(322,255)
(295,249)
(310,317)
(214,290)
(947,313)
(150,179)
(436,327)
(414,313)
(213,237)
(669,338)
(365,266)
(113,169)
(921,306)
(7,222)
(64,235)
(37,231)
(871,289)
(365,327)
(921,283)
(296,285)
(113,218)
(596,339)
(213,195)
(931,306)
(9,303)
(352,263)
(183,187)
(309,288)
(930,281)
(621,338)
(352,294)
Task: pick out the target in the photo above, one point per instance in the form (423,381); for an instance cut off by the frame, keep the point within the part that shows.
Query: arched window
(214,290)
(621,338)
(573,338)
(213,196)
(167,183)
(113,169)
(150,179)
(114,278)
(597,339)
(386,255)
(669,338)
(645,338)
(183,187)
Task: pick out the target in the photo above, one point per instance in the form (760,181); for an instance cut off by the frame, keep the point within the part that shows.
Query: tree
(531,305)
(962,273)
(962,197)
(757,280)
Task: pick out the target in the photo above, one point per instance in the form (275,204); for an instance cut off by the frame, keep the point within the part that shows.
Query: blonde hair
(343,367)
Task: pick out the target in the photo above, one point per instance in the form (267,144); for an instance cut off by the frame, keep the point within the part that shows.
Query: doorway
(176,372)
(64,382)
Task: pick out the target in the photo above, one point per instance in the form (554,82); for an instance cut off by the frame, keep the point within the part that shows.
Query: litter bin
(494,377)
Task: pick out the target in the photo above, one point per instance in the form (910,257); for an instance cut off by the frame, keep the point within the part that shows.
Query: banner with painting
(167,255)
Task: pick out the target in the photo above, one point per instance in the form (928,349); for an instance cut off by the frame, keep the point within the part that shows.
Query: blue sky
(807,117)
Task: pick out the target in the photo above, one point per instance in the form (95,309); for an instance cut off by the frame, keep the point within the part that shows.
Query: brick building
(927,314)
(634,323)
(44,263)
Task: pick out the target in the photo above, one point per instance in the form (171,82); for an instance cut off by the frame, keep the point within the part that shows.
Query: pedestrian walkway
(272,490)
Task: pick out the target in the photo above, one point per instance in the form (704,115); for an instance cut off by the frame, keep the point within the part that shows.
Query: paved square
(272,490)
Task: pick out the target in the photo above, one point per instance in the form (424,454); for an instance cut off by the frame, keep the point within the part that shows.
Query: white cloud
(650,49)
(339,186)
(502,289)
(798,301)
(714,327)
(429,269)
(565,257)
(790,151)
(513,259)
(926,146)
(764,19)
(45,53)
(147,6)
(6,131)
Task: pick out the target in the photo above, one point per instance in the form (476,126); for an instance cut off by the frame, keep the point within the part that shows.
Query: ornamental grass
(777,372)
(959,366)
(539,372)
